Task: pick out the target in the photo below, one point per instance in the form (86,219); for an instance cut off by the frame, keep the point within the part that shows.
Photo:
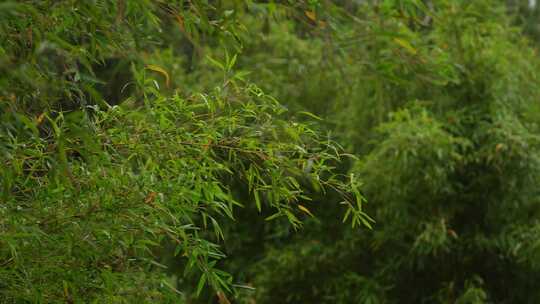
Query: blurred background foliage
(132,131)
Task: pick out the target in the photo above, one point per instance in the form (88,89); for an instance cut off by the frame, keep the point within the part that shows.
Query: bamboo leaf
(160,70)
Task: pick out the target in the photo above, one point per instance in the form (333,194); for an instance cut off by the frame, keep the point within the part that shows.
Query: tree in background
(439,100)
(527,15)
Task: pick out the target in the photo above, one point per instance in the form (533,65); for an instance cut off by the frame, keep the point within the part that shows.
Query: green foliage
(439,101)
(141,163)
(107,171)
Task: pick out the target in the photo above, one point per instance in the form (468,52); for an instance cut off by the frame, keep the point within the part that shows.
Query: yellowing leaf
(150,197)
(160,70)
(222,298)
(180,21)
(306,210)
(406,45)
(40,118)
(311,15)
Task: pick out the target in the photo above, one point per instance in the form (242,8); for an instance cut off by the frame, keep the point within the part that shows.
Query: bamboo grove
(241,151)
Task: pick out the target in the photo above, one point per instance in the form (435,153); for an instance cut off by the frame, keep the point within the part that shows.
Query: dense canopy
(241,151)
